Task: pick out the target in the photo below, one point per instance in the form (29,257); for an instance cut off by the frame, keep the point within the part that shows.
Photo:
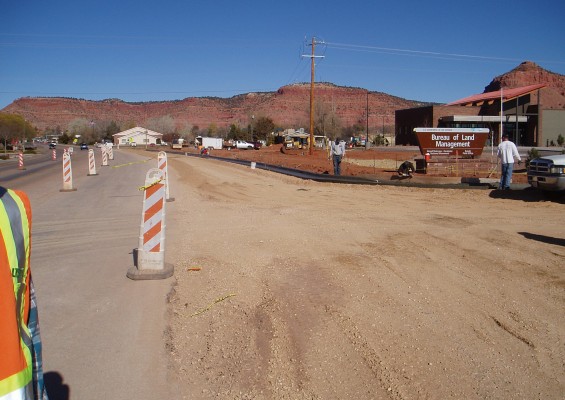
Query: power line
(434,54)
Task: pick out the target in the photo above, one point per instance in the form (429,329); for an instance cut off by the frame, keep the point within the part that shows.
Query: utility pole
(312,57)
(367,138)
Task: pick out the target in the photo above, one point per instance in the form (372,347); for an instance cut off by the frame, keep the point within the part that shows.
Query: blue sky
(436,51)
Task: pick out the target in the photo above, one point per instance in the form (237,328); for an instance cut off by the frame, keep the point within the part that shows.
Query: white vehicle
(210,142)
(548,173)
(242,144)
(177,143)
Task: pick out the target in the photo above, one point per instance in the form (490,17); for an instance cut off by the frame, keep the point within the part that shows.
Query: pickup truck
(547,173)
(238,144)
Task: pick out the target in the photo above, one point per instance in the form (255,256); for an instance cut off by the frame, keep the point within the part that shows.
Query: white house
(138,135)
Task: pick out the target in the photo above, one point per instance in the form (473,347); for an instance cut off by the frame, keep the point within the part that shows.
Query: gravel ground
(290,289)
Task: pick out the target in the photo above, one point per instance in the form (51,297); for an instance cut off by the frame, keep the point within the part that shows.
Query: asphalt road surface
(102,332)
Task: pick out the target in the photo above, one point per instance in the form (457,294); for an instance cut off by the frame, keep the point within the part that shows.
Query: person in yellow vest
(21,369)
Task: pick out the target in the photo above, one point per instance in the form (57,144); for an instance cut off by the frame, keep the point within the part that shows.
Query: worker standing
(21,369)
(337,152)
(507,152)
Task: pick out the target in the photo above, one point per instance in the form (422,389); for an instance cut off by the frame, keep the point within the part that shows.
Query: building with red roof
(515,111)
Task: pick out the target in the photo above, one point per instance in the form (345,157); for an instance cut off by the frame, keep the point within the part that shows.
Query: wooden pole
(311,151)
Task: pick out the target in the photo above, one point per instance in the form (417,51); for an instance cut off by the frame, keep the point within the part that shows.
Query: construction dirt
(376,162)
(293,289)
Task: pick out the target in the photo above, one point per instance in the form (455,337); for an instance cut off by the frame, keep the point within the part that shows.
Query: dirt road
(290,289)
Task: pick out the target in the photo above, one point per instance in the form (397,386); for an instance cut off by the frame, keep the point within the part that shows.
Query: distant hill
(529,73)
(288,107)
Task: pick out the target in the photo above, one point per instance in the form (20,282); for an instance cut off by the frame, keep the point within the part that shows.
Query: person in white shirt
(507,152)
(338,152)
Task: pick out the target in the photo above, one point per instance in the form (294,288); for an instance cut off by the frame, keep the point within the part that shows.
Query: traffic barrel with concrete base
(91,163)
(162,165)
(54,155)
(110,152)
(149,257)
(67,173)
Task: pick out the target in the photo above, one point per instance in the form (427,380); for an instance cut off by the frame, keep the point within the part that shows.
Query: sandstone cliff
(529,73)
(289,107)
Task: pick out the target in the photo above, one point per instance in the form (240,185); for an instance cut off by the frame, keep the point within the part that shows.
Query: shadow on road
(527,195)
(543,238)
(56,388)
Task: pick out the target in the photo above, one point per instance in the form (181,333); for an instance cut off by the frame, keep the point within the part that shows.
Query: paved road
(102,333)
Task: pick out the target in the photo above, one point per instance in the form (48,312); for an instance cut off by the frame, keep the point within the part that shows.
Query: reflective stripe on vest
(15,235)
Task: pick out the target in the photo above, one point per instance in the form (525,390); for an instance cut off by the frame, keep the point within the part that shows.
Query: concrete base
(91,174)
(151,274)
(68,190)
(149,266)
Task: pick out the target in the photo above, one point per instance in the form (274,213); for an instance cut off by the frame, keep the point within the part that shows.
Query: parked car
(547,173)
(133,144)
(52,145)
(257,145)
(242,144)
(83,146)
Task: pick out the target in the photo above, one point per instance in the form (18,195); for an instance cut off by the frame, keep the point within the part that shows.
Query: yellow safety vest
(16,365)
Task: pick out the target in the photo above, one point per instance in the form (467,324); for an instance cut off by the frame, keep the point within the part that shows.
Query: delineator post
(67,173)
(149,257)
(21,160)
(91,163)
(162,165)
(104,150)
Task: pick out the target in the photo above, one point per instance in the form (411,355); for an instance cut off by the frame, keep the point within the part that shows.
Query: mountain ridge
(287,107)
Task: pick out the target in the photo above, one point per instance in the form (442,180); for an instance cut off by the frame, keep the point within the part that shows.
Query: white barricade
(149,257)
(67,173)
(91,163)
(162,165)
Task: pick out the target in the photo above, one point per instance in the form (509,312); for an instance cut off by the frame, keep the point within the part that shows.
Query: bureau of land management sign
(461,142)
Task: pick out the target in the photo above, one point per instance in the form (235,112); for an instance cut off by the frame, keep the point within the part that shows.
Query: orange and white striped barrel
(21,160)
(91,163)
(54,155)
(153,226)
(104,150)
(162,165)
(67,173)
(151,250)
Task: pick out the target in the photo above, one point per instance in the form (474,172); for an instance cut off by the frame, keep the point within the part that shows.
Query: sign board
(461,142)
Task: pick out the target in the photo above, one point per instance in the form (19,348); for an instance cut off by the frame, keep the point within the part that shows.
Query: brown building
(520,117)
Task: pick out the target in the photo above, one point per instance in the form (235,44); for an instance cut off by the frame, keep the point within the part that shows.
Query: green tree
(14,127)
(212,129)
(65,138)
(263,127)
(234,132)
(560,140)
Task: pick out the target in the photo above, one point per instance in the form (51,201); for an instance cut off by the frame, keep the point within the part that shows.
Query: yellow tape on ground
(131,163)
(212,304)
